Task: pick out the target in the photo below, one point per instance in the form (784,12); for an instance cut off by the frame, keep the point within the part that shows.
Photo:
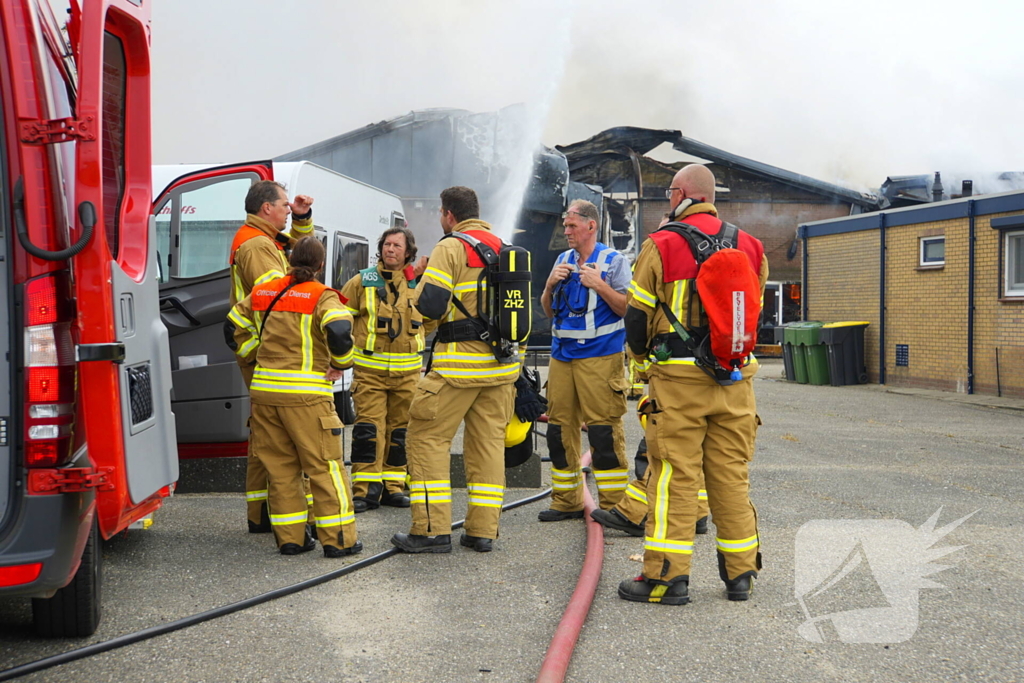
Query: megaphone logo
(858,580)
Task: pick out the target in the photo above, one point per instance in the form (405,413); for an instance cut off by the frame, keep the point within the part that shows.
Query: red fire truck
(86,430)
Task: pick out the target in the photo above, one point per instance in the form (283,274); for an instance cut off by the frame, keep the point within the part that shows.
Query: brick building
(941,284)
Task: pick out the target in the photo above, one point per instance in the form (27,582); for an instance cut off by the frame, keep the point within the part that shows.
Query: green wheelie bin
(810,358)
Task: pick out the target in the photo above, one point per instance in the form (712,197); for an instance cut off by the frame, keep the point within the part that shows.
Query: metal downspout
(881,298)
(970,296)
(803,273)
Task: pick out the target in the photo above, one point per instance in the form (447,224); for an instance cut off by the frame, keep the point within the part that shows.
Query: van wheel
(74,612)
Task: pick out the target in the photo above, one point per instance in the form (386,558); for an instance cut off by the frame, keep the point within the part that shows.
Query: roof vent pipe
(937,188)
(967,188)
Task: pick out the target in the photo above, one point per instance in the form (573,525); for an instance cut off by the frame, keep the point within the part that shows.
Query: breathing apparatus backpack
(504,312)
(730,294)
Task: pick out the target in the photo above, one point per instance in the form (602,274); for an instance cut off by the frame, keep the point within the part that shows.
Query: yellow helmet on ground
(516,431)
(641,409)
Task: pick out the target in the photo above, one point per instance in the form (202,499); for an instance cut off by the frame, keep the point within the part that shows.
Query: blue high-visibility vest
(584,325)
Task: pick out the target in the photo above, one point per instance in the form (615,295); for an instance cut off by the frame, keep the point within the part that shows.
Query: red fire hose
(556,661)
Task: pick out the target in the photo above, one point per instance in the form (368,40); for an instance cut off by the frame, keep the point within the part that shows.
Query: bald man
(700,419)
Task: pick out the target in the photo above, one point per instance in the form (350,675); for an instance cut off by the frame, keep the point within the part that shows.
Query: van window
(115,70)
(210,217)
(351,254)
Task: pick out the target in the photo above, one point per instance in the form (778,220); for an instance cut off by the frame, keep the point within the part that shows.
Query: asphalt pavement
(847,482)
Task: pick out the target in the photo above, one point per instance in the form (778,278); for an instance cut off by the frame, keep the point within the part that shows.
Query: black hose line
(152,632)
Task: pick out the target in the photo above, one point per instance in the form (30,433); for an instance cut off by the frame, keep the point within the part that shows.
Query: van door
(124,369)
(197,216)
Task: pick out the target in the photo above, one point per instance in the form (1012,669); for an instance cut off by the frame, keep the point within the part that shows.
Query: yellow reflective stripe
(336,520)
(236,280)
(393,475)
(287,375)
(306,327)
(331,315)
(464,287)
(642,295)
(343,360)
(439,275)
(702,495)
(636,494)
(369,362)
(678,294)
(272,274)
(566,480)
(291,388)
(736,546)
(485,502)
(371,318)
(662,545)
(346,513)
(661,502)
(500,371)
(241,321)
(438,491)
(371,477)
(492,489)
(355,312)
(304,229)
(485,495)
(289,518)
(437,485)
(256,495)
(246,348)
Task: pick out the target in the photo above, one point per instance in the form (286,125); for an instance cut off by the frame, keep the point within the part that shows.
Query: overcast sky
(845,92)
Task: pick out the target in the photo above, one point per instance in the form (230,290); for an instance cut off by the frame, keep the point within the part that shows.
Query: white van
(199,209)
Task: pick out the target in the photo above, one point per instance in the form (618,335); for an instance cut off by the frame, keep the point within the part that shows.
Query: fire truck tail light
(18,574)
(40,345)
(41,304)
(41,454)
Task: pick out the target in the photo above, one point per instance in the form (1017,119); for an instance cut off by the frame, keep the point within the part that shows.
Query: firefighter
(630,512)
(300,336)
(389,338)
(585,297)
(258,256)
(699,419)
(465,383)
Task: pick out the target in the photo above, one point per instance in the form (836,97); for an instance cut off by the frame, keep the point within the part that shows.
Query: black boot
(371,501)
(613,519)
(394,499)
(642,589)
(333,551)
(296,549)
(741,587)
(702,525)
(481,545)
(559,515)
(412,543)
(264,526)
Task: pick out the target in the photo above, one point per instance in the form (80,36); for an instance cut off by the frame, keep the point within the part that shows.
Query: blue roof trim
(999,204)
(926,214)
(867,221)
(1008,222)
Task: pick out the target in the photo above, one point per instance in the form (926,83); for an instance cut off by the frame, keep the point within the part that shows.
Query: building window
(933,251)
(1015,263)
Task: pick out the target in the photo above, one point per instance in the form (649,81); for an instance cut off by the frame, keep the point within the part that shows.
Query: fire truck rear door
(197,217)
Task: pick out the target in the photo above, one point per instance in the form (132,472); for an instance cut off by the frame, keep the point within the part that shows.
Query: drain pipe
(970,296)
(803,273)
(881,298)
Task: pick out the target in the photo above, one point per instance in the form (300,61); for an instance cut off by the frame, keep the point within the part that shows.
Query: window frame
(922,242)
(1008,238)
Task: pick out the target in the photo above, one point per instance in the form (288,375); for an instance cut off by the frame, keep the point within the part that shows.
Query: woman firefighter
(300,335)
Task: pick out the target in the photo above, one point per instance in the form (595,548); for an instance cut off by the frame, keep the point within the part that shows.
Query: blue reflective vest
(584,325)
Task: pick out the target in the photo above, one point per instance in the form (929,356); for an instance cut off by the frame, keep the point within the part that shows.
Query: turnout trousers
(291,440)
(382,416)
(436,412)
(633,505)
(256,486)
(698,425)
(591,391)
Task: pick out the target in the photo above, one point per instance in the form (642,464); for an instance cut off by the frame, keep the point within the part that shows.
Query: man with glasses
(585,297)
(258,256)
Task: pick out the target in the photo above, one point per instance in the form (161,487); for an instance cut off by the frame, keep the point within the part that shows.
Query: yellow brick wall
(925,308)
(842,284)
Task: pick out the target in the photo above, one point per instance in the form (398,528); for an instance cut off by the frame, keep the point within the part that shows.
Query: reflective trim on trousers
(256,495)
(336,520)
(371,477)
(566,480)
(393,475)
(661,502)
(438,491)
(702,494)
(485,495)
(636,494)
(728,546)
(289,518)
(339,487)
(662,545)
(611,480)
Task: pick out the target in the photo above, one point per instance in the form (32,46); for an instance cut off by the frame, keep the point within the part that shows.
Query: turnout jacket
(388,331)
(307,331)
(659,279)
(258,254)
(468,363)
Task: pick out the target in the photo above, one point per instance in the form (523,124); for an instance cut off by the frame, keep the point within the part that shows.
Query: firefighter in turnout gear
(257,256)
(300,335)
(466,383)
(585,297)
(630,513)
(699,419)
(389,339)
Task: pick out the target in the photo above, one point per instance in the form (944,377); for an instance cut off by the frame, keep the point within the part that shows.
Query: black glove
(529,403)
